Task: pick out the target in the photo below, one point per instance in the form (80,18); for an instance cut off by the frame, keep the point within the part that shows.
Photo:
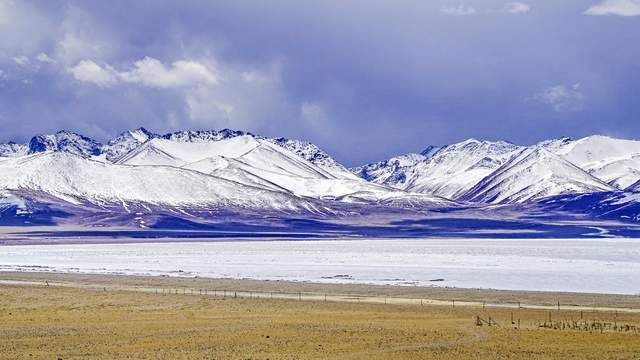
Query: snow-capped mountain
(451,171)
(389,172)
(127,141)
(306,150)
(12,149)
(314,155)
(534,173)
(614,161)
(66,141)
(446,171)
(124,143)
(188,169)
(77,180)
(203,135)
(454,169)
(230,169)
(259,163)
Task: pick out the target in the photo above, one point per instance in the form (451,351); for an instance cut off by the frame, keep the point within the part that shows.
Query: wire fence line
(317,296)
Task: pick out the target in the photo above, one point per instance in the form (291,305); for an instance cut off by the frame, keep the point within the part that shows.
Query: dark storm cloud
(363,79)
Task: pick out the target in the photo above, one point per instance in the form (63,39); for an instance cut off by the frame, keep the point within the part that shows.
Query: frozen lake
(598,265)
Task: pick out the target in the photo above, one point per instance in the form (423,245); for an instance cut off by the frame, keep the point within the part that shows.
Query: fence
(328,297)
(333,297)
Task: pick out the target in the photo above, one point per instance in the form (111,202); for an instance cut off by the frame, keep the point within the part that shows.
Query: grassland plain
(38,322)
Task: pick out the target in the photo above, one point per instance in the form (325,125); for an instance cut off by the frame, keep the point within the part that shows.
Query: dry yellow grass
(70,323)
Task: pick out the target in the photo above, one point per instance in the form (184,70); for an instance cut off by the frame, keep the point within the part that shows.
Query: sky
(364,80)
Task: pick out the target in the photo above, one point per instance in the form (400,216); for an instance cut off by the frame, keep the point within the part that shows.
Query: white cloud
(183,73)
(214,94)
(615,7)
(460,10)
(21,60)
(89,71)
(517,8)
(562,97)
(148,72)
(42,57)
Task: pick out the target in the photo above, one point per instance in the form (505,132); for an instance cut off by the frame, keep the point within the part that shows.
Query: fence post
(453,303)
(299,295)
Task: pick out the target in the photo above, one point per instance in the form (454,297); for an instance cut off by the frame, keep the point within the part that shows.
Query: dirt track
(331,293)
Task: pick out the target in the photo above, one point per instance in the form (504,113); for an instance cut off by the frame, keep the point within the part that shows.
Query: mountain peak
(204,135)
(533,174)
(430,150)
(125,142)
(65,140)
(12,149)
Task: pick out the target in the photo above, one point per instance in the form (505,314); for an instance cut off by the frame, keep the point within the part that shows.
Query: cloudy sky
(363,79)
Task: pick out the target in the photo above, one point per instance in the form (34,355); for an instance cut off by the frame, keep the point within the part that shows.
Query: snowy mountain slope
(66,141)
(635,187)
(533,174)
(454,169)
(259,163)
(12,149)
(390,172)
(306,150)
(257,153)
(76,180)
(129,141)
(314,155)
(124,143)
(614,161)
(204,135)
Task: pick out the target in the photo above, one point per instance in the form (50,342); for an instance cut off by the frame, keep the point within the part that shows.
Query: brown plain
(40,322)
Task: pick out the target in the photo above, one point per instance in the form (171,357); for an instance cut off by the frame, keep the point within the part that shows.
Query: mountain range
(200,179)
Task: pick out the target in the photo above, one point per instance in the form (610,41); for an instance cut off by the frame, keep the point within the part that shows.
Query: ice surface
(595,266)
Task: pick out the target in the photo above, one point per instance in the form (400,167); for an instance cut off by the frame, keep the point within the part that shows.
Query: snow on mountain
(389,172)
(125,143)
(306,150)
(446,171)
(614,161)
(430,150)
(258,163)
(533,174)
(66,141)
(128,141)
(635,187)
(314,155)
(78,180)
(12,149)
(454,169)
(204,135)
